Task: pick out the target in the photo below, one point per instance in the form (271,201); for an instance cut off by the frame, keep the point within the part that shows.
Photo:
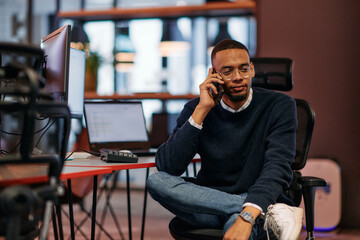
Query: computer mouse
(125,151)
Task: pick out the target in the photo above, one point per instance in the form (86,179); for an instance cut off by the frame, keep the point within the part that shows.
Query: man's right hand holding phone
(209,95)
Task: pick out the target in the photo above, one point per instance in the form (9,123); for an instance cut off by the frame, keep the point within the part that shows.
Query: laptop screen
(116,125)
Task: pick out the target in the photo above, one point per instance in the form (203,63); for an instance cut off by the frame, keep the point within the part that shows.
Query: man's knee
(162,182)
(153,180)
(156,181)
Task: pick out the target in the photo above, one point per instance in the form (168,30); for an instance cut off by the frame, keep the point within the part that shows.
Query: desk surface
(144,162)
(92,161)
(11,174)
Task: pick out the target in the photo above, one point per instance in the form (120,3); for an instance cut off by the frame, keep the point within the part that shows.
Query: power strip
(118,156)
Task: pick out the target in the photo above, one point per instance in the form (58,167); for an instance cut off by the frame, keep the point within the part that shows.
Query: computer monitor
(56,48)
(64,70)
(76,83)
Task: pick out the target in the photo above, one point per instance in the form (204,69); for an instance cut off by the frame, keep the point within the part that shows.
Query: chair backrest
(306,120)
(276,74)
(273,73)
(304,130)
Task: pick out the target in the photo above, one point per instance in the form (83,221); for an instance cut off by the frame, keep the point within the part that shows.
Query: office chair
(23,207)
(275,74)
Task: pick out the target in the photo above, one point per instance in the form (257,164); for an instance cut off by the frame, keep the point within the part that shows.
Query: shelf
(214,9)
(158,96)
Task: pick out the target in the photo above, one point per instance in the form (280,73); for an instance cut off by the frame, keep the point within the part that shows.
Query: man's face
(234,63)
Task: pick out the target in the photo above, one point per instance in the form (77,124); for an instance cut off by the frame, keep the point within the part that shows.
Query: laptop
(117,125)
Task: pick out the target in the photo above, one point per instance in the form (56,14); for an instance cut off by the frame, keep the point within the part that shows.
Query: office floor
(156,227)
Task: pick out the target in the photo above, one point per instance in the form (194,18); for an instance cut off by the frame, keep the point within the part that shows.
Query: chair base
(181,230)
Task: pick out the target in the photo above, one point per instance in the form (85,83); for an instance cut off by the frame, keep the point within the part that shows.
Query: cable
(19,134)
(82,150)
(43,127)
(44,133)
(3,152)
(15,147)
(9,133)
(40,118)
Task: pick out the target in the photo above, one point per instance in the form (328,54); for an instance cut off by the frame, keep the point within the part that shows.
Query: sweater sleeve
(276,174)
(175,155)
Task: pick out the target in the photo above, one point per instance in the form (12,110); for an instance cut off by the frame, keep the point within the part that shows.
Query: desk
(96,162)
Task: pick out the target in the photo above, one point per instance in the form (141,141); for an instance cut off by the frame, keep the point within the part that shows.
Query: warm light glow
(123,67)
(125,57)
(125,61)
(79,45)
(171,48)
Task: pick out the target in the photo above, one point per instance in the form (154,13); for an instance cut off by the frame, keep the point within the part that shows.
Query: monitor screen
(76,84)
(56,48)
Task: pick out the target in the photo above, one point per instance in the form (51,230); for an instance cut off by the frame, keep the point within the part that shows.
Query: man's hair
(227,44)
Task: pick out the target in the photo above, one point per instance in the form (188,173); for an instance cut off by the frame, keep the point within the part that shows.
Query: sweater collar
(244,106)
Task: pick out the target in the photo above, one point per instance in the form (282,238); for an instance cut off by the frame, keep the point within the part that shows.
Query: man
(246,143)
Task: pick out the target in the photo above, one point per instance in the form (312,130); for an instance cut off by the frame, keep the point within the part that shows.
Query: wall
(8,10)
(322,37)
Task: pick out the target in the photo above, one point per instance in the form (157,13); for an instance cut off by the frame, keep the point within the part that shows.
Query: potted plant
(93,61)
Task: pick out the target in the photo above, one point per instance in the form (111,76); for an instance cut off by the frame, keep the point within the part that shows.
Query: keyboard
(118,156)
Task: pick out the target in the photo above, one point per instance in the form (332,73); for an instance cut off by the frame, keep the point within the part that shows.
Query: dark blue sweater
(249,151)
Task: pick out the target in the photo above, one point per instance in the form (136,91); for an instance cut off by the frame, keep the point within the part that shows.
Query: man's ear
(253,70)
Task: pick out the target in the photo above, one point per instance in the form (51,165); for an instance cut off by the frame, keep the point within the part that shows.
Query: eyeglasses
(229,73)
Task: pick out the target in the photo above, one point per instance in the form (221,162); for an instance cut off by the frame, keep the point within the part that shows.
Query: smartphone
(216,97)
(217,85)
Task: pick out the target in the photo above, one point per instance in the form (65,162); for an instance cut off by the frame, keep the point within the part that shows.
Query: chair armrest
(309,185)
(308,181)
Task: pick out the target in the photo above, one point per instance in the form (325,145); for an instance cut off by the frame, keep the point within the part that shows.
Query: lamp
(125,55)
(172,44)
(172,41)
(222,33)
(78,37)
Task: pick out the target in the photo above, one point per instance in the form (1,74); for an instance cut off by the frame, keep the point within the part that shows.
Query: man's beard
(235,98)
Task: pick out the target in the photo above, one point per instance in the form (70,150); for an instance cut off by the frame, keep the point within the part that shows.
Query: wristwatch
(246,216)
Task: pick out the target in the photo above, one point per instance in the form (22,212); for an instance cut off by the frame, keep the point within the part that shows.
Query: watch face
(247,217)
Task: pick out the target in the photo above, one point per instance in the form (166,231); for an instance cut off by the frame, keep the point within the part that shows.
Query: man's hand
(207,101)
(207,97)
(241,230)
